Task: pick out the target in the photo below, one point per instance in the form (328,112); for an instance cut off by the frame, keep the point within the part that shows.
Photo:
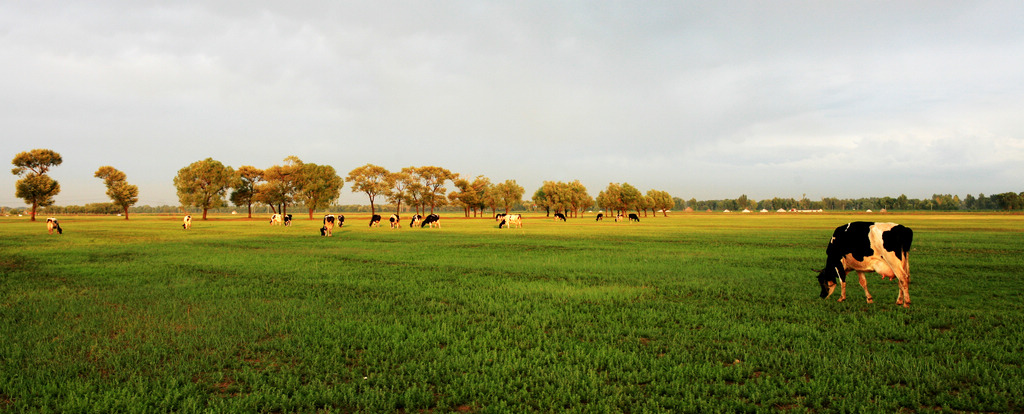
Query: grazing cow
(52,224)
(559,216)
(187,222)
(328,228)
(599,216)
(416,218)
(276,220)
(431,220)
(395,221)
(287,219)
(634,217)
(868,247)
(512,220)
(341,220)
(619,217)
(375,220)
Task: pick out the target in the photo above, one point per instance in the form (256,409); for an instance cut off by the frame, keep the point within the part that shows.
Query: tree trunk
(204,213)
(250,209)
(33,215)
(126,212)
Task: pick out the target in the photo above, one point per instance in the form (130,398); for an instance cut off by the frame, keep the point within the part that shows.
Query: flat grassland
(689,313)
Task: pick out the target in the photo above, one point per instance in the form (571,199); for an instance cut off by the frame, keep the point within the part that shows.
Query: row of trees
(938,202)
(38,189)
(204,185)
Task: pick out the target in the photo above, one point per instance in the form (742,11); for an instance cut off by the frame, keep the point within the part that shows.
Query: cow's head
(827,277)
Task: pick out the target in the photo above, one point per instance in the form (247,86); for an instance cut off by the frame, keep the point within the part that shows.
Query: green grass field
(690,313)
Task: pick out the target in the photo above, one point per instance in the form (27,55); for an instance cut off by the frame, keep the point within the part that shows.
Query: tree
(281,186)
(123,195)
(371,179)
(662,200)
(399,191)
(508,194)
(631,197)
(36,188)
(318,186)
(579,199)
(432,180)
(247,178)
(471,194)
(203,184)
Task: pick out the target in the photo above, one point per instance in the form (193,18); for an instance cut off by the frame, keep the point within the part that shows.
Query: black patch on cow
(560,216)
(851,239)
(634,217)
(323,231)
(599,217)
(341,220)
(897,240)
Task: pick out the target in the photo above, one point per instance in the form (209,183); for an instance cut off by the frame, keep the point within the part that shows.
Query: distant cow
(395,221)
(619,217)
(559,216)
(599,216)
(281,219)
(511,220)
(328,228)
(187,222)
(868,247)
(634,217)
(52,224)
(416,218)
(431,220)
(341,220)
(375,220)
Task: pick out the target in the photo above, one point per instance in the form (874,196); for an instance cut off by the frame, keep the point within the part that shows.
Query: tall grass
(690,313)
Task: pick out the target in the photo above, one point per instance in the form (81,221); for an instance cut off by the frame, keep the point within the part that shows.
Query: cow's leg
(864,284)
(842,291)
(903,297)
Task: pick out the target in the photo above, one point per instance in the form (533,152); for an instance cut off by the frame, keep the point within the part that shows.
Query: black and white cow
(559,216)
(276,220)
(431,220)
(599,216)
(395,221)
(328,228)
(416,218)
(868,247)
(634,217)
(186,223)
(341,220)
(52,224)
(375,220)
(511,220)
(619,217)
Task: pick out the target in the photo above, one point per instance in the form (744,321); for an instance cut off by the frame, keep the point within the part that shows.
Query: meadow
(705,312)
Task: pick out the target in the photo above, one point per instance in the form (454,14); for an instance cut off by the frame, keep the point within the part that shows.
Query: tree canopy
(36,188)
(203,184)
(372,180)
(122,194)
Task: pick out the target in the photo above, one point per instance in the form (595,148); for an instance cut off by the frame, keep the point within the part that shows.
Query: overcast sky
(709,99)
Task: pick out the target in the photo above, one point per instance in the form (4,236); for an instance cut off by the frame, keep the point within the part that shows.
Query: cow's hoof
(841,299)
(871,300)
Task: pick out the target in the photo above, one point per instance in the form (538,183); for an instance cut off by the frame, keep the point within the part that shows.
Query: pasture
(690,313)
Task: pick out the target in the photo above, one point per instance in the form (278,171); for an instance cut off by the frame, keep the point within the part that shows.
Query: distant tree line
(1009,201)
(207,185)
